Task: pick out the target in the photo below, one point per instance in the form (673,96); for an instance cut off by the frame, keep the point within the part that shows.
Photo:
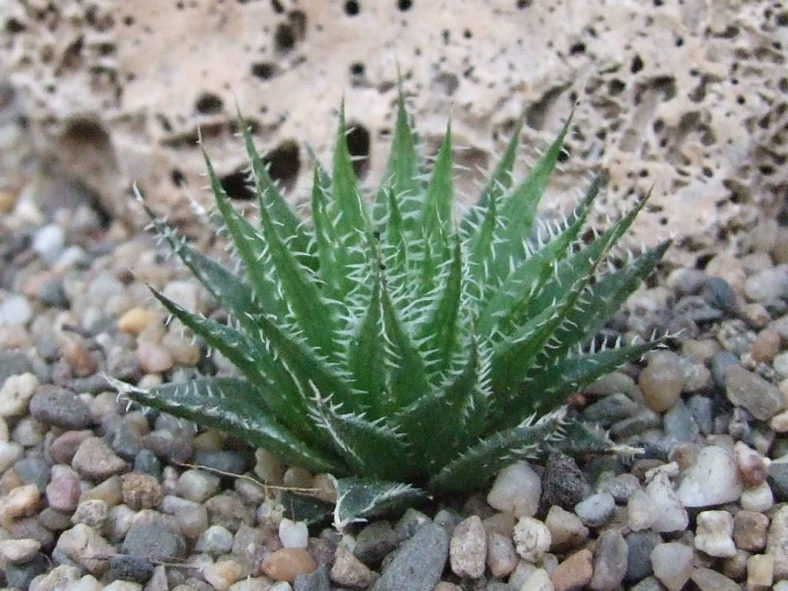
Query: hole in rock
(208,104)
(262,70)
(284,163)
(404,5)
(177,177)
(284,37)
(352,8)
(237,186)
(358,146)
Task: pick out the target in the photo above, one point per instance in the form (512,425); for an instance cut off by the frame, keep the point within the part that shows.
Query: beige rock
(117,95)
(574,572)
(760,571)
(287,563)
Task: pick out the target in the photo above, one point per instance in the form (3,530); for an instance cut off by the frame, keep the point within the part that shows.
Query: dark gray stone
(562,483)
(34,470)
(374,542)
(315,581)
(57,406)
(719,294)
(720,362)
(646,419)
(122,437)
(51,293)
(701,409)
(20,575)
(419,562)
(231,462)
(612,408)
(147,463)
(168,447)
(778,480)
(679,424)
(129,568)
(13,363)
(639,547)
(154,543)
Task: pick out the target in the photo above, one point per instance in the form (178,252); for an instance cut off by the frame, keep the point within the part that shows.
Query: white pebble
(713,534)
(293,534)
(712,480)
(531,539)
(15,310)
(16,393)
(10,452)
(641,513)
(758,498)
(669,512)
(198,485)
(672,563)
(48,243)
(516,490)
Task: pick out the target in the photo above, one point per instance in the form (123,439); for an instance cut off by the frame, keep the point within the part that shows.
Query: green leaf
(230,405)
(407,376)
(280,392)
(351,217)
(365,355)
(476,466)
(548,387)
(371,448)
(441,329)
(359,499)
(331,250)
(510,303)
(251,247)
(496,187)
(436,215)
(445,420)
(272,201)
(400,180)
(519,208)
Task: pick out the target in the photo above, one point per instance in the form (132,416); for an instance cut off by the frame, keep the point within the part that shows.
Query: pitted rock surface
(663,93)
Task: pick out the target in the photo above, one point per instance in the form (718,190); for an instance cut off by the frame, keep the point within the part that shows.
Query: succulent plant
(401,345)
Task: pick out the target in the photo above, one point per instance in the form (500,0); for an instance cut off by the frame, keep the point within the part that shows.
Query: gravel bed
(96,493)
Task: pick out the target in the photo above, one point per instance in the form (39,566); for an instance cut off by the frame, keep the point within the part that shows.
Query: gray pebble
(720,362)
(34,470)
(562,482)
(51,293)
(215,540)
(610,561)
(778,480)
(315,581)
(719,294)
(644,420)
(679,423)
(768,285)
(611,408)
(701,409)
(231,462)
(375,541)
(153,542)
(13,363)
(147,463)
(744,388)
(168,447)
(122,436)
(639,547)
(418,563)
(20,576)
(129,568)
(57,406)
(596,510)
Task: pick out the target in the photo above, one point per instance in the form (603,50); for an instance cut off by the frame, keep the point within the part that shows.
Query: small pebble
(95,459)
(610,561)
(531,539)
(154,358)
(15,310)
(762,399)
(661,381)
(596,510)
(777,545)
(15,394)
(710,580)
(574,572)
(566,529)
(222,574)
(349,571)
(19,502)
(667,510)
(287,563)
(672,564)
(713,534)
(468,548)
(501,556)
(19,551)
(516,490)
(198,485)
(713,479)
(760,571)
(293,534)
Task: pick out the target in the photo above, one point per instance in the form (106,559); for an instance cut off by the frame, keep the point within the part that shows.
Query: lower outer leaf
(226,404)
(474,468)
(358,499)
(550,386)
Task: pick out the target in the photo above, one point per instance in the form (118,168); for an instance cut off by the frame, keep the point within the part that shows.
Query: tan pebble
(736,566)
(80,360)
(699,351)
(574,572)
(753,467)
(760,571)
(19,551)
(287,563)
(755,314)
(222,574)
(325,488)
(7,201)
(661,381)
(296,477)
(444,586)
(750,530)
(154,358)
(14,337)
(109,491)
(501,523)
(20,501)
(765,346)
(779,250)
(349,571)
(183,350)
(728,268)
(779,422)
(134,321)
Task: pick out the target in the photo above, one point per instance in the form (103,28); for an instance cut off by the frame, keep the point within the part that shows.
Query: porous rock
(117,95)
